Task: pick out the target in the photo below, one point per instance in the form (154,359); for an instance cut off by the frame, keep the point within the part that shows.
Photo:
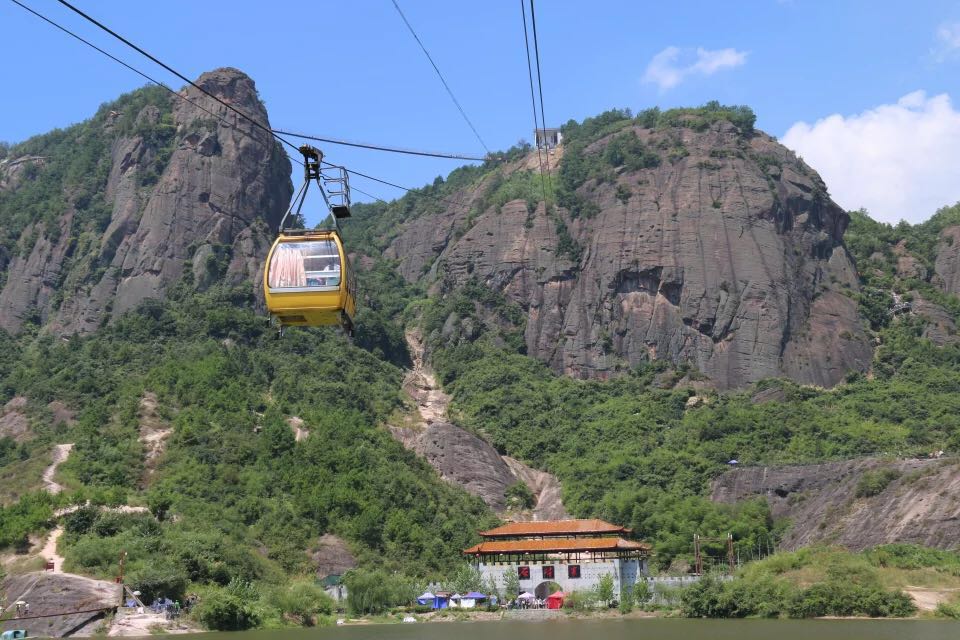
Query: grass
(813,565)
(26,564)
(22,477)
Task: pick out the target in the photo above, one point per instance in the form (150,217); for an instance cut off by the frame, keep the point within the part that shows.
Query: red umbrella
(555,600)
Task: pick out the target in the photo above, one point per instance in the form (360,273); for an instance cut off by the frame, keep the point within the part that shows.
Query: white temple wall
(625,573)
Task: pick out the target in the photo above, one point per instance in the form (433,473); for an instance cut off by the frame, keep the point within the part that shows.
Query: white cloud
(948,41)
(673,65)
(899,161)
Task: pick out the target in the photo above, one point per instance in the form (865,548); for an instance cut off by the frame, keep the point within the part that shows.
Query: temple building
(571,555)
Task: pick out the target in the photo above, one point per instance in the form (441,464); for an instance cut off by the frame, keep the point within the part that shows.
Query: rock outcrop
(947,265)
(463,458)
(729,257)
(332,556)
(919,505)
(208,215)
(466,460)
(13,420)
(939,324)
(50,595)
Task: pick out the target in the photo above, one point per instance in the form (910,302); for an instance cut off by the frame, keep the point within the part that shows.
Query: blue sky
(352,70)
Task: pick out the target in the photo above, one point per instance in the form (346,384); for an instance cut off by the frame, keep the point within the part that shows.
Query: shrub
(372,592)
(221,610)
(849,599)
(581,600)
(159,581)
(302,600)
(912,556)
(519,495)
(874,482)
(641,593)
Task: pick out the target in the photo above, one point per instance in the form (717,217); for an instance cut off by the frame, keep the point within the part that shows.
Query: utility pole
(123,562)
(730,558)
(697,558)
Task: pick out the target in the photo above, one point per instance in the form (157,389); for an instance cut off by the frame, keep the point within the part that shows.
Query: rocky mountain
(947,265)
(179,192)
(858,503)
(703,243)
(678,259)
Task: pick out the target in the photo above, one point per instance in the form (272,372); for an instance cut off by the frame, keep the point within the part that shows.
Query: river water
(630,629)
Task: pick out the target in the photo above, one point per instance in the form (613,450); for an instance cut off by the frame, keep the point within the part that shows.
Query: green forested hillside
(236,498)
(632,450)
(237,503)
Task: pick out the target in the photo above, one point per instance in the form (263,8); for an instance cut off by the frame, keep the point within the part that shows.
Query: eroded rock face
(947,266)
(209,214)
(730,258)
(918,506)
(940,327)
(332,556)
(466,460)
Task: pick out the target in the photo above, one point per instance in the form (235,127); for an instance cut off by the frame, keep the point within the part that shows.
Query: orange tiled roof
(561,545)
(553,528)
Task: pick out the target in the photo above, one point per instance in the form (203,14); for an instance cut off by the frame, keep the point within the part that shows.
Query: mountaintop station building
(547,138)
(571,554)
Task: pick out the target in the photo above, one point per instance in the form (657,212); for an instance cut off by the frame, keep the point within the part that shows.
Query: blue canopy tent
(426,598)
(471,600)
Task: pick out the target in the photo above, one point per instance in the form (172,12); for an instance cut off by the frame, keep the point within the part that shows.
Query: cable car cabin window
(305,265)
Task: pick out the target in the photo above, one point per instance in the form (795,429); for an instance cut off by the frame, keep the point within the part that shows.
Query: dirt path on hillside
(49,550)
(464,458)
(154,432)
(60,453)
(928,599)
(421,384)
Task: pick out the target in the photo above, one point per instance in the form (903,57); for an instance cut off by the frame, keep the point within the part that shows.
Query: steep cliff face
(187,195)
(724,252)
(947,265)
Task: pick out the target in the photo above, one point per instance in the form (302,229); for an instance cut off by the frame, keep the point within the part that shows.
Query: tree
(511,585)
(368,591)
(493,590)
(467,578)
(641,593)
(605,589)
(626,600)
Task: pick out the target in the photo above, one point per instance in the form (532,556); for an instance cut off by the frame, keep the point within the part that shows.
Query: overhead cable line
(140,73)
(440,75)
(362,145)
(215,98)
(536,48)
(543,117)
(193,84)
(533,101)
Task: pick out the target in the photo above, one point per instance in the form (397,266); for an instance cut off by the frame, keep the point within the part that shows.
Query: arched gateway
(545,588)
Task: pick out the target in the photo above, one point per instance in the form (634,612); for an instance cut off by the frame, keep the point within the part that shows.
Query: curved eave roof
(555,528)
(556,545)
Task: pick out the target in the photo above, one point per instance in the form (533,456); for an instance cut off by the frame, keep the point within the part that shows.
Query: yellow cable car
(308,281)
